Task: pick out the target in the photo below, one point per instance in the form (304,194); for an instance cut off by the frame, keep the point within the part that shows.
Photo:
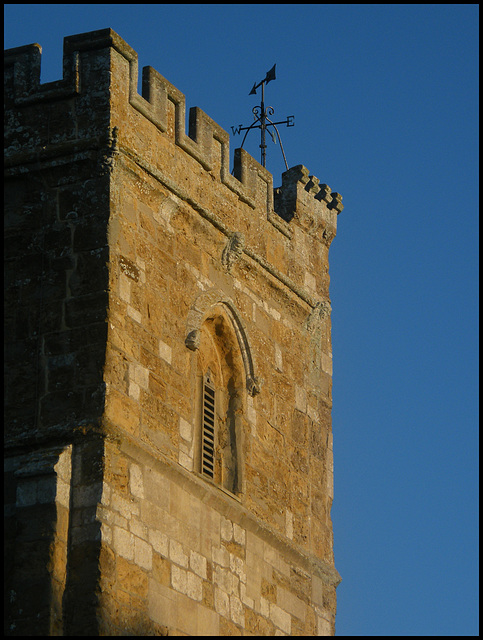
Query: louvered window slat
(208,434)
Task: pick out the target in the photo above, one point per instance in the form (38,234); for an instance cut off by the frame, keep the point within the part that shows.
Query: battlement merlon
(87,72)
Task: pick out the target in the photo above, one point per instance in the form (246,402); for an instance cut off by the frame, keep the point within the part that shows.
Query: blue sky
(385,100)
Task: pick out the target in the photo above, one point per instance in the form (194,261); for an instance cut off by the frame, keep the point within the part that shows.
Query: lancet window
(221,386)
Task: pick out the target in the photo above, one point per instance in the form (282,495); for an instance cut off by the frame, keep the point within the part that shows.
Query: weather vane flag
(262,121)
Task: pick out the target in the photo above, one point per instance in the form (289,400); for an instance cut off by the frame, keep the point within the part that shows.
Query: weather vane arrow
(270,76)
(261,119)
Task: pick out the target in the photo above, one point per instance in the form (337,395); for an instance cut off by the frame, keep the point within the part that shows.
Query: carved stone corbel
(253,385)
(192,340)
(233,250)
(319,312)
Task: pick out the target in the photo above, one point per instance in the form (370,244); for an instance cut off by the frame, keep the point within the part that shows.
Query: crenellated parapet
(26,88)
(313,205)
(87,70)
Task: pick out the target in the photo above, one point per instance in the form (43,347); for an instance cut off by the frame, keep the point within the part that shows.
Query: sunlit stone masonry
(168,359)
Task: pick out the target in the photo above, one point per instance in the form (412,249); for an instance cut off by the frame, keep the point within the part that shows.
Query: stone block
(221,556)
(27,493)
(165,352)
(161,570)
(162,604)
(143,554)
(324,627)
(291,603)
(198,564)
(156,489)
(208,622)
(123,543)
(177,554)
(194,586)
(132,578)
(237,611)
(280,618)
(136,481)
(239,534)
(179,579)
(222,602)
(186,615)
(159,541)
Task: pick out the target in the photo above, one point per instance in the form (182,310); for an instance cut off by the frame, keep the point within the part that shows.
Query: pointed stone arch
(202,306)
(225,375)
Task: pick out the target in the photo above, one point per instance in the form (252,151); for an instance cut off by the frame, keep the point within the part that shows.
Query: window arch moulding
(201,307)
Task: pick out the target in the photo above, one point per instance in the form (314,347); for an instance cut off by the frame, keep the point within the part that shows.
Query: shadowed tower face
(168,444)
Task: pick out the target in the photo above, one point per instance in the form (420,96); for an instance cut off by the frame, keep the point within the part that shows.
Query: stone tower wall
(137,263)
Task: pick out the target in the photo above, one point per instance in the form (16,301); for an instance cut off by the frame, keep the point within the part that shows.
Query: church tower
(168,358)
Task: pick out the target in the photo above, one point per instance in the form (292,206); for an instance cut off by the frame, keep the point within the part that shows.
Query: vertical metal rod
(261,117)
(263,146)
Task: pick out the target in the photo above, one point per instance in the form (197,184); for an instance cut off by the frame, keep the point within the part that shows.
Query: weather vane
(261,119)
